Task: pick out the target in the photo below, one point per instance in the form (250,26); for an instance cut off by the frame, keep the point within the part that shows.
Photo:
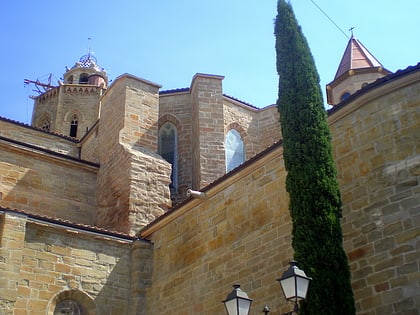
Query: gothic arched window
(234,150)
(73,126)
(168,149)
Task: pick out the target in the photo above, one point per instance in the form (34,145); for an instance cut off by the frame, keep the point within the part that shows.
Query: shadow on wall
(86,272)
(30,182)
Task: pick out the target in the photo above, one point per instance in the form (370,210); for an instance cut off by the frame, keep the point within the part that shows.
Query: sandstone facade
(88,223)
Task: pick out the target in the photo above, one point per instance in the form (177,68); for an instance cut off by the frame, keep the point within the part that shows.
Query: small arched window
(84,78)
(46,124)
(345,96)
(72,302)
(70,80)
(168,149)
(73,126)
(234,150)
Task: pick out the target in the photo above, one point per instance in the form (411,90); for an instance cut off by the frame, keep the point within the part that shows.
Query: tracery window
(46,124)
(234,150)
(68,307)
(73,126)
(168,149)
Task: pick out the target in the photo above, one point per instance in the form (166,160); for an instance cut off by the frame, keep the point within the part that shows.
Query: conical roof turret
(357,68)
(356,56)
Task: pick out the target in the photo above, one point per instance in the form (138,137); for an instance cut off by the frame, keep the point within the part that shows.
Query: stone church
(124,198)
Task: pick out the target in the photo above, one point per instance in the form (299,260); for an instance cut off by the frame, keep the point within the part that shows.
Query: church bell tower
(72,107)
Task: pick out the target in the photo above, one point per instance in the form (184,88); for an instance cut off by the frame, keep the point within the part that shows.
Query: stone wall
(42,264)
(45,106)
(376,139)
(176,109)
(269,126)
(242,232)
(244,120)
(32,136)
(260,128)
(47,184)
(89,148)
(62,102)
(239,234)
(133,181)
(207,129)
(199,119)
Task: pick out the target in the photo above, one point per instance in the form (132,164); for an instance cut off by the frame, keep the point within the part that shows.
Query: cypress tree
(315,202)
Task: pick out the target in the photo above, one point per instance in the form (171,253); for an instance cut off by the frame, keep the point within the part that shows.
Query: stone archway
(72,302)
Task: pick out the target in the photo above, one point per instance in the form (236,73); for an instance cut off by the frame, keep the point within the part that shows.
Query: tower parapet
(86,71)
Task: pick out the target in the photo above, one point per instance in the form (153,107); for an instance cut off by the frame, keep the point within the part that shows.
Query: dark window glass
(168,149)
(73,126)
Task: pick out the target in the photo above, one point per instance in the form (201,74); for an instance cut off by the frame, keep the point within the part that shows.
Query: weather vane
(351,30)
(89,39)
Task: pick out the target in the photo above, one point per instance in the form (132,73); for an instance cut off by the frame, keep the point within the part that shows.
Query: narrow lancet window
(168,147)
(73,126)
(234,150)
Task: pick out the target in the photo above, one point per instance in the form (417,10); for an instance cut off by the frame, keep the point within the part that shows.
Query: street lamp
(294,284)
(237,302)
(266,310)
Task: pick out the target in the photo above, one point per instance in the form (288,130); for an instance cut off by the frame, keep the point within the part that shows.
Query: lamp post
(294,284)
(237,302)
(266,310)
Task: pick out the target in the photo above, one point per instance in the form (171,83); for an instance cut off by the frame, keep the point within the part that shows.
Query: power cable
(331,20)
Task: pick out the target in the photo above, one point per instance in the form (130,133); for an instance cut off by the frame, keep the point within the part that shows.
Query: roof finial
(351,30)
(89,39)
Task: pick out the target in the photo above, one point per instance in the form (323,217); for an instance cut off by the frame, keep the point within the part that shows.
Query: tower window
(73,126)
(70,80)
(168,149)
(84,78)
(345,96)
(234,150)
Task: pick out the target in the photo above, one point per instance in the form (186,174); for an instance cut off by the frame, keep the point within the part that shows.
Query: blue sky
(167,42)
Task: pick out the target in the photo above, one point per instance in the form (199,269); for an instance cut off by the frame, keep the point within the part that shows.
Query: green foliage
(315,202)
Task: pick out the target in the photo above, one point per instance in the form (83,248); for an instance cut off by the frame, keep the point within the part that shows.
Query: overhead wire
(331,20)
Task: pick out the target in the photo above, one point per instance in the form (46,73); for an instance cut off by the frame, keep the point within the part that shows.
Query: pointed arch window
(73,126)
(234,150)
(168,149)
